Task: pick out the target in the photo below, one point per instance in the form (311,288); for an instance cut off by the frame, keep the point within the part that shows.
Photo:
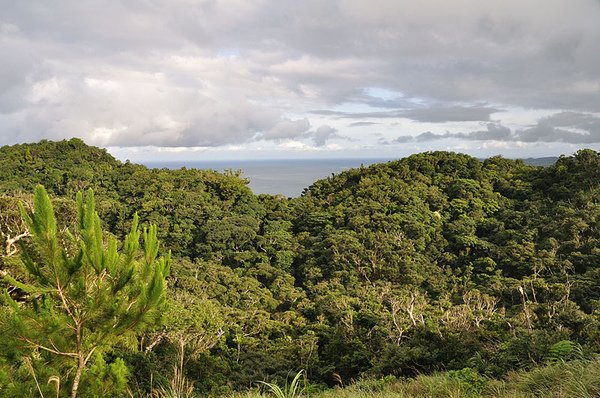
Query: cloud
(359,124)
(441,114)
(569,127)
(565,127)
(143,110)
(286,129)
(493,131)
(323,134)
(403,139)
(575,119)
(431,114)
(213,73)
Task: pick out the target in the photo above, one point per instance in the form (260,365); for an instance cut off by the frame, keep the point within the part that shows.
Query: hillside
(438,261)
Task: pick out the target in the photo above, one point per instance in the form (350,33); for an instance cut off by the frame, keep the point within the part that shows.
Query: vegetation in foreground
(576,379)
(436,262)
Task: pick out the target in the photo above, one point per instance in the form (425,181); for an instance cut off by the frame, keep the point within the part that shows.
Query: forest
(124,281)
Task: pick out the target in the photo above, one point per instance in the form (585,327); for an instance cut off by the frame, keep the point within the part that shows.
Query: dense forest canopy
(438,261)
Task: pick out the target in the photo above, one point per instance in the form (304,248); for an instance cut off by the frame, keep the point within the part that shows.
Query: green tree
(84,294)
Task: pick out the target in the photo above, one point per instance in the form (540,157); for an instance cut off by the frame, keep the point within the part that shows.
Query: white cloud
(218,73)
(50,91)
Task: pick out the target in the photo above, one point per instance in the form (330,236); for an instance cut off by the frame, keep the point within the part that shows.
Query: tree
(12,227)
(83,293)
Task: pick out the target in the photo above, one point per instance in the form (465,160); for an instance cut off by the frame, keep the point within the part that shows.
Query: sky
(236,79)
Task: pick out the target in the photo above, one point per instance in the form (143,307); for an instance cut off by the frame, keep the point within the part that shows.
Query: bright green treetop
(84,294)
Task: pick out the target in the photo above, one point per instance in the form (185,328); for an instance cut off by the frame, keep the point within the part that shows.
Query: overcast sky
(187,79)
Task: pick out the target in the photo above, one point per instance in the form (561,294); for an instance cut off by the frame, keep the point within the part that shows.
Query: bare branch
(33,344)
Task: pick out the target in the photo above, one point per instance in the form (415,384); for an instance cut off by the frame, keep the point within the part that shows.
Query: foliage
(469,379)
(567,380)
(438,261)
(291,390)
(565,350)
(83,296)
(178,387)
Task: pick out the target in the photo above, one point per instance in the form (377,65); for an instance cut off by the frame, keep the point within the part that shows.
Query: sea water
(286,177)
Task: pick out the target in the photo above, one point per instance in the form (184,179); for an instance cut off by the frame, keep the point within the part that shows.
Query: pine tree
(84,294)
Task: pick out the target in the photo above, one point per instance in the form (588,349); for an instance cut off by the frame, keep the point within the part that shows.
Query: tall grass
(574,379)
(178,387)
(577,379)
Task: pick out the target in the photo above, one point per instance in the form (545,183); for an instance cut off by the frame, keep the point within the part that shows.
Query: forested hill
(435,261)
(177,200)
(61,166)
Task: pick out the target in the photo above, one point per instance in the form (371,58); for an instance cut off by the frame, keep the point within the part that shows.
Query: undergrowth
(574,379)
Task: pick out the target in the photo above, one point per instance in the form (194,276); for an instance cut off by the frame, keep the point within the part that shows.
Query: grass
(292,390)
(575,379)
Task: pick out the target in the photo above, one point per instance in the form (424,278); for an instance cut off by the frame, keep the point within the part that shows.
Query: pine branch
(35,345)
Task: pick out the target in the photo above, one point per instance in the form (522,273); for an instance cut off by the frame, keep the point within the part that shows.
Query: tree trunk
(80,367)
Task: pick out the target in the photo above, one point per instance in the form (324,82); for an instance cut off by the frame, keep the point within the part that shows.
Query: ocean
(286,177)
(290,177)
